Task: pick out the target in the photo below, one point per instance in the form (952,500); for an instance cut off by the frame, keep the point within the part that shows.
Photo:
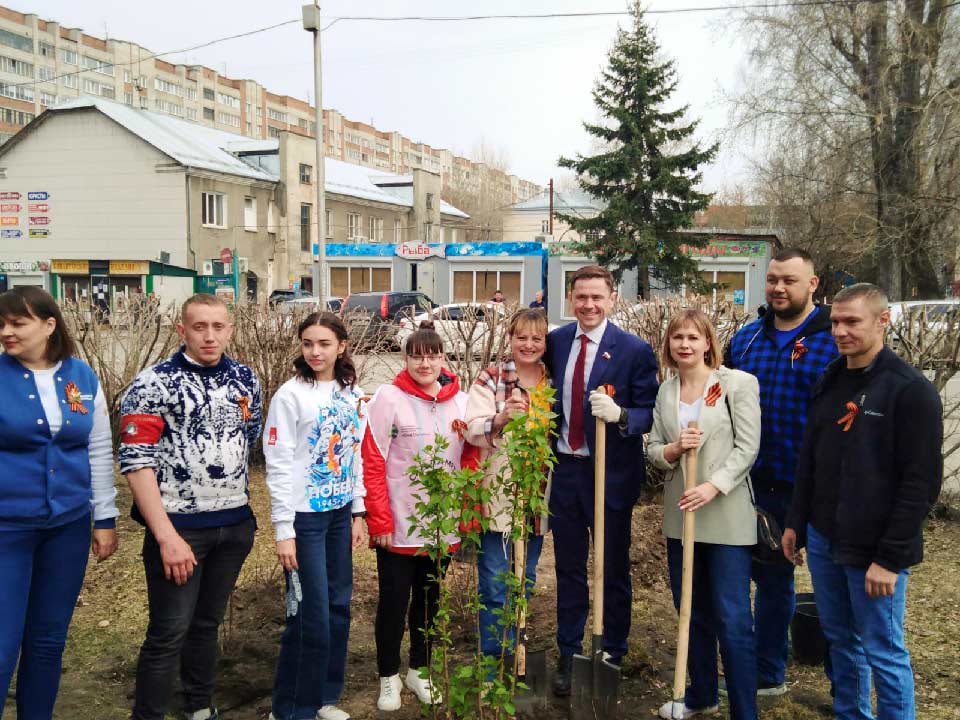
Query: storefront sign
(37,196)
(9,220)
(70,267)
(727,248)
(39,233)
(420,250)
(39,220)
(13,207)
(10,233)
(38,207)
(129,267)
(24,266)
(9,196)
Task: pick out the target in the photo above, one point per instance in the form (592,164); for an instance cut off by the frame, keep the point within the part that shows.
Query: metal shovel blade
(536,677)
(594,688)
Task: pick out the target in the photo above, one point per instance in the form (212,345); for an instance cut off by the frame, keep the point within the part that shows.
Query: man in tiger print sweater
(186,430)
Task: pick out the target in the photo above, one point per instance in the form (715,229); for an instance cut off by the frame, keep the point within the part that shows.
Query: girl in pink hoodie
(424,401)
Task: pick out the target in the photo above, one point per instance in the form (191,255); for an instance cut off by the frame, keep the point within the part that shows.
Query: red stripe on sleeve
(141,429)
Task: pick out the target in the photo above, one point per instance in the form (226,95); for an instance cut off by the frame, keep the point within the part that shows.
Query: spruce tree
(649,167)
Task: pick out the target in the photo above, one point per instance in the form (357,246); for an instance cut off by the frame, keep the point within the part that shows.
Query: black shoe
(561,678)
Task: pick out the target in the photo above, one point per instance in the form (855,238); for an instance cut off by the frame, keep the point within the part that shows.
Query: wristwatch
(359,515)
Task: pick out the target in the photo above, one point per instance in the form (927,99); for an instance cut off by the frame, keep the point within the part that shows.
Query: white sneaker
(390,688)
(422,688)
(666,711)
(332,712)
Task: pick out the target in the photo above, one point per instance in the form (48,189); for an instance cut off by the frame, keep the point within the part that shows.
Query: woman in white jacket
(315,476)
(726,405)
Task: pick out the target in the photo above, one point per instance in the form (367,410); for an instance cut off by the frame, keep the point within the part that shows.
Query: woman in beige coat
(490,404)
(726,405)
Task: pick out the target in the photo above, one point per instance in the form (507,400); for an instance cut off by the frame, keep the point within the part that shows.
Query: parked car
(332,304)
(373,317)
(278,296)
(464,327)
(923,323)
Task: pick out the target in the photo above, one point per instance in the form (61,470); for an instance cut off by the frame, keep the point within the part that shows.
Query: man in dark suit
(581,357)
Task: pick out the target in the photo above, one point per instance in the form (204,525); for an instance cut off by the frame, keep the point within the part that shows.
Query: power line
(612,13)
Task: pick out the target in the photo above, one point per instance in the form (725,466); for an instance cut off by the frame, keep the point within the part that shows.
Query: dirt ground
(110,620)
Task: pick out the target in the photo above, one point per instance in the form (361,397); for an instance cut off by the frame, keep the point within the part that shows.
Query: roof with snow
(197,146)
(190,144)
(569,201)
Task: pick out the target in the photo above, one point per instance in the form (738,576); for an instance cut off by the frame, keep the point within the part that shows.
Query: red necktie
(575,428)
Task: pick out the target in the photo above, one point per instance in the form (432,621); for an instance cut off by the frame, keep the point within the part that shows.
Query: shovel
(686,590)
(595,681)
(530,666)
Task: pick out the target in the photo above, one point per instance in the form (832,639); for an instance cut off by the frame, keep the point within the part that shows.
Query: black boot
(561,678)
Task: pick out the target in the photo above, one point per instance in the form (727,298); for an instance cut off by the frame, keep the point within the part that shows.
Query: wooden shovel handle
(686,583)
(599,500)
(520,568)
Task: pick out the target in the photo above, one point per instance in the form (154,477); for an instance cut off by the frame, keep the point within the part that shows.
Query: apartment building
(43,63)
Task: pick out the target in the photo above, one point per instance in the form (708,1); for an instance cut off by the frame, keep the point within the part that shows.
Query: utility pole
(551,207)
(311,22)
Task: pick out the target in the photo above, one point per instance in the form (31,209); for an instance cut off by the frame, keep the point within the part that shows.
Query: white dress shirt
(595,336)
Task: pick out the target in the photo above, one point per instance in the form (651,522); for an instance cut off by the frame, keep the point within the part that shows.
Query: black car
(374,317)
(279,296)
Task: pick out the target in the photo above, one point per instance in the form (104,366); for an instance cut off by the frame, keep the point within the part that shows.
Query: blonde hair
(701,322)
(534,318)
(202,299)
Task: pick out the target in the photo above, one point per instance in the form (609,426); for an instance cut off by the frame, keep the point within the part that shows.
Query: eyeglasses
(434,358)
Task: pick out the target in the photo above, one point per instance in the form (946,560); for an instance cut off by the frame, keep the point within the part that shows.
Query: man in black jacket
(870,469)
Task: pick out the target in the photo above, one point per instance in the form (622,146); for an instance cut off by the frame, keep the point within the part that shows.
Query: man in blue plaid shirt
(786,348)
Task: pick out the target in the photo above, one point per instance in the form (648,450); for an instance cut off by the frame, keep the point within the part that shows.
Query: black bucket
(809,644)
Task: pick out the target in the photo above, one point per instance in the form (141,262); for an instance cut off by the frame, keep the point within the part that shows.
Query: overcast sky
(522,86)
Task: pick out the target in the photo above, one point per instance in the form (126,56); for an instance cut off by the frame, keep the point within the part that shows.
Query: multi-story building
(43,63)
(102,199)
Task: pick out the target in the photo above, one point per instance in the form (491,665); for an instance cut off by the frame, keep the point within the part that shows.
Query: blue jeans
(721,611)
(185,619)
(313,647)
(865,636)
(493,563)
(41,573)
(774,601)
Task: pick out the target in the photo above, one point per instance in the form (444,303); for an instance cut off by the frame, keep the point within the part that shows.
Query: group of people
(845,483)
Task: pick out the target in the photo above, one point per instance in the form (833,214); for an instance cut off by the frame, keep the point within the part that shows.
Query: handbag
(769,549)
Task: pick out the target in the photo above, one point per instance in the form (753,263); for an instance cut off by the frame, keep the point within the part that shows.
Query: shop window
(347,280)
(732,286)
(480,285)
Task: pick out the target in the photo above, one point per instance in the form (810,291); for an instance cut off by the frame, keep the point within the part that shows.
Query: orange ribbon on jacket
(847,420)
(458,426)
(713,394)
(799,350)
(244,403)
(73,398)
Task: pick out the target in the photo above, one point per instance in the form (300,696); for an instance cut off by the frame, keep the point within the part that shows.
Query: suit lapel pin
(606,355)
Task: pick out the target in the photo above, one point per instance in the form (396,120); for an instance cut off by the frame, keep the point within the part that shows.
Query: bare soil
(110,621)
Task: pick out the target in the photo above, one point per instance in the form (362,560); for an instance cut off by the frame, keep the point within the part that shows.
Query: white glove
(602,406)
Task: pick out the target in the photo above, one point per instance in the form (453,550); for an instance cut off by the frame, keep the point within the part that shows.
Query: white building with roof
(128,195)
